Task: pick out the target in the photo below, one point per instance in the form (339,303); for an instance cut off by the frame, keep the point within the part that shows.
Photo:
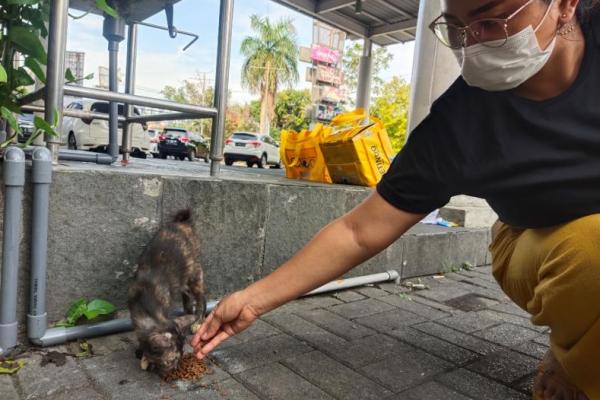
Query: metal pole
(14,180)
(41,178)
(113,109)
(129,87)
(221,85)
(363,92)
(57,41)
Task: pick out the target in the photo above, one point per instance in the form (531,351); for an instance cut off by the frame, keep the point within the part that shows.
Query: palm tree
(271,60)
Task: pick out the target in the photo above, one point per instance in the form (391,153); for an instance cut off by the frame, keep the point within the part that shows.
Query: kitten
(167,269)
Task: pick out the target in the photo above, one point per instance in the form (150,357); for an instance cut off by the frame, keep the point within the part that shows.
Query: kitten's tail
(183,216)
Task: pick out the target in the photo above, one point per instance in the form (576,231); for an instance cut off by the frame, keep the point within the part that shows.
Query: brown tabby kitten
(168,268)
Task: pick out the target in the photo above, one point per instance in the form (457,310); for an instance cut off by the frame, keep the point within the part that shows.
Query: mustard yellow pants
(554,274)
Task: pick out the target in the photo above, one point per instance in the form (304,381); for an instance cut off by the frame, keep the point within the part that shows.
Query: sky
(162,62)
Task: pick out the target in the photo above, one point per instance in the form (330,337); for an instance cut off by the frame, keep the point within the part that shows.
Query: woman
(521,129)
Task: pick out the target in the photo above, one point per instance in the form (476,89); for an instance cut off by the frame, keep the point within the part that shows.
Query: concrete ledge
(100,221)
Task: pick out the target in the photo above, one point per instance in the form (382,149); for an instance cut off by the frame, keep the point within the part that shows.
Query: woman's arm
(337,248)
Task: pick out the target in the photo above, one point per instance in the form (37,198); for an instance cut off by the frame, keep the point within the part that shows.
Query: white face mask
(506,67)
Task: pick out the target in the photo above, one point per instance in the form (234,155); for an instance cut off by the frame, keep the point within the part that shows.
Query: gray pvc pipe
(54,336)
(85,156)
(14,180)
(340,284)
(41,177)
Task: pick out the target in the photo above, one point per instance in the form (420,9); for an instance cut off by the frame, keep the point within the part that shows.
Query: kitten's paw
(196,326)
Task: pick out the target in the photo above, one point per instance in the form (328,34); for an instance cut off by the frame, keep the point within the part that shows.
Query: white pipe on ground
(340,284)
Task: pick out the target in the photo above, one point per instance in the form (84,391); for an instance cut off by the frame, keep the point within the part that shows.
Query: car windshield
(244,136)
(102,107)
(175,132)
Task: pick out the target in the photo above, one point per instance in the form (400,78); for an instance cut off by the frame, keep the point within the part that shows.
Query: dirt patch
(189,369)
(54,357)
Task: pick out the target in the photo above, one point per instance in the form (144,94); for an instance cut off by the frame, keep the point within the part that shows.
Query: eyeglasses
(490,32)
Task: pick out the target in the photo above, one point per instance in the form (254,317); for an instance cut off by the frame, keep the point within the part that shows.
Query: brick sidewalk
(459,339)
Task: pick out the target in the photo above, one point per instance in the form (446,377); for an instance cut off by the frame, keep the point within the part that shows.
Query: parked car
(153,134)
(92,134)
(253,148)
(25,122)
(182,144)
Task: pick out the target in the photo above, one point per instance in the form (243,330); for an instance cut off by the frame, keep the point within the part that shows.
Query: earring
(564,15)
(566,29)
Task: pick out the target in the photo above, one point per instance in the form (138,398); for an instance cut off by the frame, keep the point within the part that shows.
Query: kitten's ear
(144,363)
(184,322)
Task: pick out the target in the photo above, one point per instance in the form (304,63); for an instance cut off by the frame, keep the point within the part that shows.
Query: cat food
(189,369)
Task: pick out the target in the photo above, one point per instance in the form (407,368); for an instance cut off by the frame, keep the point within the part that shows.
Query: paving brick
(226,390)
(393,288)
(108,344)
(458,338)
(532,349)
(444,292)
(513,319)
(361,308)
(415,307)
(83,393)
(307,303)
(348,296)
(435,305)
(334,378)
(507,334)
(257,331)
(470,302)
(399,373)
(510,308)
(7,388)
(372,292)
(543,340)
(430,391)
(478,387)
(338,325)
(468,322)
(39,382)
(389,320)
(435,346)
(249,355)
(119,376)
(276,382)
(505,366)
(526,384)
(367,350)
(304,330)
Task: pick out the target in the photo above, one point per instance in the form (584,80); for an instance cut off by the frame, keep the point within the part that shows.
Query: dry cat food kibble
(190,368)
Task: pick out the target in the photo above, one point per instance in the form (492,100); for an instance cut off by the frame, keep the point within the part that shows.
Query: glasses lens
(490,32)
(449,35)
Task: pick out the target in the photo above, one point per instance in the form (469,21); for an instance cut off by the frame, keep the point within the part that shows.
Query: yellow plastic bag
(358,151)
(301,154)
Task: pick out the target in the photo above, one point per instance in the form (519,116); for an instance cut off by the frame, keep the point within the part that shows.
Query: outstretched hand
(232,315)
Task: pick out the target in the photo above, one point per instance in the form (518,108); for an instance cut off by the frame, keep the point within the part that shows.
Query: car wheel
(182,158)
(249,164)
(206,159)
(72,141)
(228,161)
(163,156)
(262,163)
(277,166)
(192,155)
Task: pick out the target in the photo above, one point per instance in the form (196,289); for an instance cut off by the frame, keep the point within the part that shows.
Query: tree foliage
(192,91)
(351,62)
(391,107)
(291,109)
(271,60)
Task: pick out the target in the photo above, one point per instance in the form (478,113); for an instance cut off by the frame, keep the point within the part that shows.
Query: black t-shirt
(537,163)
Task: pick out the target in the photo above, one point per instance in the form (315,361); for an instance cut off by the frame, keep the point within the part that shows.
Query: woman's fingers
(202,331)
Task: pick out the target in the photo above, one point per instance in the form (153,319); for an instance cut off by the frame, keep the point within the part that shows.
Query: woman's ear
(567,10)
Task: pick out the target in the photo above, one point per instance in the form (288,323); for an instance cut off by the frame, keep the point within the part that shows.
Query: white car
(253,148)
(153,135)
(92,134)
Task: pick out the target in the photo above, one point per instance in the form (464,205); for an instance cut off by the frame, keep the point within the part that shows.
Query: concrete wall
(101,221)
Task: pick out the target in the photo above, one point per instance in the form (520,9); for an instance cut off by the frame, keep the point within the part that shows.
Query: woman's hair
(586,9)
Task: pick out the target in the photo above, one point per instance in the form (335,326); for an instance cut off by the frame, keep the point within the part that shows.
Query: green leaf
(35,67)
(76,309)
(42,125)
(89,76)
(69,76)
(22,78)
(11,366)
(28,42)
(102,5)
(3,76)
(10,118)
(98,307)
(62,324)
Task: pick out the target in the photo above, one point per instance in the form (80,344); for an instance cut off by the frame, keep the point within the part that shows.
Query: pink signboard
(324,54)
(329,75)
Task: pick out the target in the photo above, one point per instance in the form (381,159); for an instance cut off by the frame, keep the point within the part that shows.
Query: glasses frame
(468,29)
